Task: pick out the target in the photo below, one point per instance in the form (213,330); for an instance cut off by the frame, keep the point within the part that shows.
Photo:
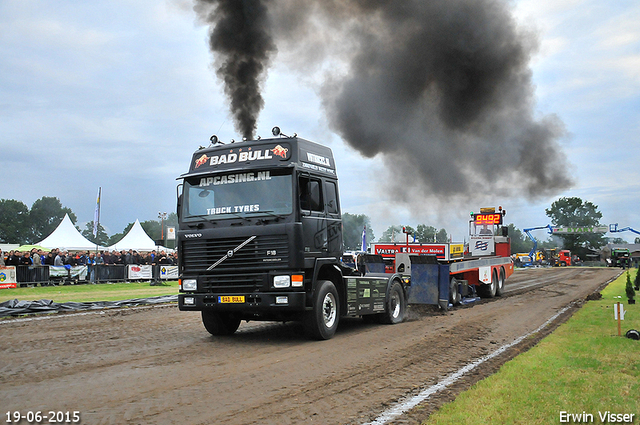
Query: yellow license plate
(235,299)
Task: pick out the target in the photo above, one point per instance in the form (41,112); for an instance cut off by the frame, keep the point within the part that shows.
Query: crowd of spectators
(57,257)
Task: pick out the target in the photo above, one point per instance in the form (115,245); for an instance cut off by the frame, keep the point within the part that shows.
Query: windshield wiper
(212,218)
(269,212)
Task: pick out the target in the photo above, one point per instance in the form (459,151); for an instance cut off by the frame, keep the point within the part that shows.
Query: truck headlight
(281,281)
(189,285)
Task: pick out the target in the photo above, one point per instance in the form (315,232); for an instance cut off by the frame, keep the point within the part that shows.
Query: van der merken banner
(577,230)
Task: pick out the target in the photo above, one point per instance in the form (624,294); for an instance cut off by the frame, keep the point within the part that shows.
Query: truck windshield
(241,194)
(481,229)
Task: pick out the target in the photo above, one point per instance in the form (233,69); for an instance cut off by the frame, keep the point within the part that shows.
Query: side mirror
(179,203)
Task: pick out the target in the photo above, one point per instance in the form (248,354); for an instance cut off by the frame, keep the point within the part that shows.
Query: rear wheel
(217,323)
(396,305)
(489,290)
(322,321)
(454,293)
(500,287)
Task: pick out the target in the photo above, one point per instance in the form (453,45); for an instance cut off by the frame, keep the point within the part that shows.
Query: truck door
(313,216)
(334,219)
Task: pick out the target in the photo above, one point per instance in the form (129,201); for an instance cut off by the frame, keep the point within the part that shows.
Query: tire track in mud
(380,376)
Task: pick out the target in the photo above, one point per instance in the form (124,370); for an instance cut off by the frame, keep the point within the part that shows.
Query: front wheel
(322,322)
(218,324)
(396,305)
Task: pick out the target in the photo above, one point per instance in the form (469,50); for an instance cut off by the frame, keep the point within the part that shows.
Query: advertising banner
(79,272)
(169,272)
(390,250)
(143,272)
(482,245)
(8,277)
(443,251)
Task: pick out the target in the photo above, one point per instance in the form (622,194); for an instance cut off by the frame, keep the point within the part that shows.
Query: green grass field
(583,367)
(87,293)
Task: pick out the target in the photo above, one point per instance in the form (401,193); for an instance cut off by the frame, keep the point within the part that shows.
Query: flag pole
(96,218)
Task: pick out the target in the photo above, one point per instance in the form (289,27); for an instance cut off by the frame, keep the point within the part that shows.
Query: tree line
(20,224)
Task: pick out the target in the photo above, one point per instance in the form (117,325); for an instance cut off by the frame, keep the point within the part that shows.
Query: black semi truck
(260,238)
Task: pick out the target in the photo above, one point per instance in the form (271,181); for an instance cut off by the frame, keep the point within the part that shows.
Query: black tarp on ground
(17,307)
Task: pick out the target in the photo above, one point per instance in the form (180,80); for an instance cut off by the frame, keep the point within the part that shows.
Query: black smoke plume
(440,89)
(241,42)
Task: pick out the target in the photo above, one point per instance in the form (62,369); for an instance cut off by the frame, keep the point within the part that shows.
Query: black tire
(454,293)
(322,322)
(219,324)
(500,287)
(396,305)
(489,291)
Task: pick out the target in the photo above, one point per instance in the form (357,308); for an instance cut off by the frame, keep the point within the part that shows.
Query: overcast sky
(119,94)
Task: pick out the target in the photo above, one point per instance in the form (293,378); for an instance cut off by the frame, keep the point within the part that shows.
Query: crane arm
(613,228)
(535,242)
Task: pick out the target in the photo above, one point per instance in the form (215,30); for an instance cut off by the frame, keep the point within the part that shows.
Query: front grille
(244,271)
(226,283)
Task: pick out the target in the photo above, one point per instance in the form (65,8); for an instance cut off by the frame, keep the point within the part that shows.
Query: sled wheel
(489,291)
(454,293)
(500,287)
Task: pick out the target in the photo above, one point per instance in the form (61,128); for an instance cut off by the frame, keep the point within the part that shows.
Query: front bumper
(256,302)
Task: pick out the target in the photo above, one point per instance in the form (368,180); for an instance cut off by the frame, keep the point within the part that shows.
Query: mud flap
(443,286)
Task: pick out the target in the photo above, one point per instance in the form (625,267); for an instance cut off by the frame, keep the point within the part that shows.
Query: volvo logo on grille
(193,235)
(230,253)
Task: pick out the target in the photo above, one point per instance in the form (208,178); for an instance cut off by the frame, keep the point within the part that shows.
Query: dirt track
(158,365)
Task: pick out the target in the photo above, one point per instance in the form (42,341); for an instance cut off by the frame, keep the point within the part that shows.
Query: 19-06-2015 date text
(44,417)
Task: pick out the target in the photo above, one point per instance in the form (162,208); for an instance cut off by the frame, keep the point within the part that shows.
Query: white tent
(66,236)
(136,239)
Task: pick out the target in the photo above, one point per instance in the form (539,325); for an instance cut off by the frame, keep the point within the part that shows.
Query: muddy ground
(157,365)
